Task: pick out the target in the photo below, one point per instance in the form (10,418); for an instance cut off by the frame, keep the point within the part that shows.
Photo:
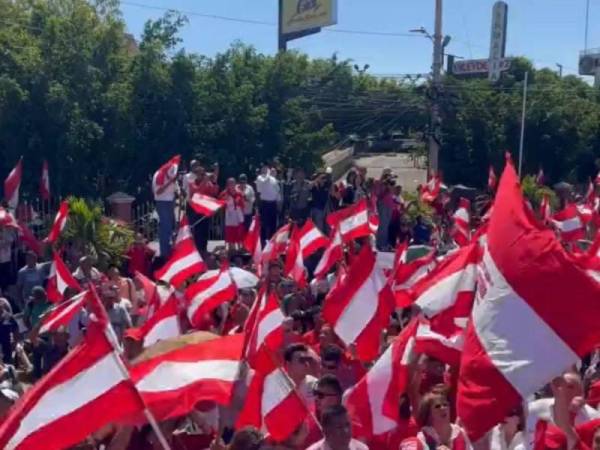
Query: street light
(560,69)
(421,30)
(363,70)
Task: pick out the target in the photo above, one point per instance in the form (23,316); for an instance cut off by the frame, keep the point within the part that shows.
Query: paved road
(401,164)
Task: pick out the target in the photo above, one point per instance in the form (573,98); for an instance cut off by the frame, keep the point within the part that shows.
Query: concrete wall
(339,161)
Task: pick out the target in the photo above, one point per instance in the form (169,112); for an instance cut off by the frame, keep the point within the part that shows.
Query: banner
(300,15)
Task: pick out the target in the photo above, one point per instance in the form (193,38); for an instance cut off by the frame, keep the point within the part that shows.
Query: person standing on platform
(198,181)
(164,188)
(267,187)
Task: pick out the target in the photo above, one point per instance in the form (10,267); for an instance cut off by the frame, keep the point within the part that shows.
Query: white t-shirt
(268,188)
(249,198)
(168,195)
(498,442)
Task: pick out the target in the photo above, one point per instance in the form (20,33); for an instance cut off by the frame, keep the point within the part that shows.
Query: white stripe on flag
(309,237)
(354,221)
(462,214)
(74,305)
(515,338)
(379,379)
(180,265)
(276,388)
(172,375)
(442,294)
(61,400)
(568,225)
(163,329)
(220,284)
(266,326)
(361,309)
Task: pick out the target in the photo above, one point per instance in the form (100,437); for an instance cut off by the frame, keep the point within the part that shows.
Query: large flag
(360,306)
(352,222)
(527,287)
(84,392)
(205,204)
(205,295)
(59,222)
(278,243)
(173,383)
(373,401)
(311,239)
(264,328)
(45,182)
(12,184)
(184,263)
(294,261)
(59,280)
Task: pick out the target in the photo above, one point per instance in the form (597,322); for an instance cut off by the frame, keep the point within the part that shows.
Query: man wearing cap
(247,193)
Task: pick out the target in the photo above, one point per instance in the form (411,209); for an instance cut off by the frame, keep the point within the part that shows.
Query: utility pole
(523,112)
(438,48)
(282,42)
(560,69)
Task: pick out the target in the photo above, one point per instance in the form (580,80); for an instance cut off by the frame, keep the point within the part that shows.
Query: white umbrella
(242,278)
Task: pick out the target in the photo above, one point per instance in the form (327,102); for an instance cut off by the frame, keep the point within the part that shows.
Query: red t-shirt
(140,258)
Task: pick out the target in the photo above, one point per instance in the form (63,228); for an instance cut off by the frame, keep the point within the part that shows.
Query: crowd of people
(319,365)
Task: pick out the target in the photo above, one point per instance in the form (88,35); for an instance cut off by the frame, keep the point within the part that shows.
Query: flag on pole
(45,182)
(59,222)
(12,184)
(205,204)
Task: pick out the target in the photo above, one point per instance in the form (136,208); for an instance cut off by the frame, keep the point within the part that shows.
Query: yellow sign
(300,15)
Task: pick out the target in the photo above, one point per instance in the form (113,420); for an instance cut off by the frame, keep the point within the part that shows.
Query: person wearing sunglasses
(297,364)
(437,430)
(327,393)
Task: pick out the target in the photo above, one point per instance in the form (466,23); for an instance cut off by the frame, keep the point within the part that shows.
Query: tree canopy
(106,111)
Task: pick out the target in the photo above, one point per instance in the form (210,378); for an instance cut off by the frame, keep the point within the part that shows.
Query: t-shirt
(28,278)
(268,188)
(34,311)
(119,319)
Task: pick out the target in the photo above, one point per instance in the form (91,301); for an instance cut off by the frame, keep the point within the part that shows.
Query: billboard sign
(498,38)
(302,15)
(479,66)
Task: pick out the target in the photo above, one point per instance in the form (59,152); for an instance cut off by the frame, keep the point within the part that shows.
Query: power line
(265,23)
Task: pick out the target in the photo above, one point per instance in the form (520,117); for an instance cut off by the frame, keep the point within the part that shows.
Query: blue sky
(546,31)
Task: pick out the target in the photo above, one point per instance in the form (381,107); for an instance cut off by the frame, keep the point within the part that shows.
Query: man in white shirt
(268,190)
(249,197)
(164,188)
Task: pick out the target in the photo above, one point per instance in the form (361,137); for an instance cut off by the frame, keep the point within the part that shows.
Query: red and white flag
(75,399)
(253,244)
(205,204)
(590,194)
(166,174)
(7,219)
(461,230)
(45,182)
(539,179)
(586,212)
(205,295)
(173,383)
(443,347)
(294,262)
(352,222)
(59,280)
(311,239)
(332,254)
(360,307)
(184,263)
(406,275)
(569,224)
(449,289)
(59,222)
(545,209)
(263,328)
(492,179)
(184,233)
(373,401)
(164,324)
(272,404)
(12,184)
(431,190)
(62,314)
(527,286)
(278,243)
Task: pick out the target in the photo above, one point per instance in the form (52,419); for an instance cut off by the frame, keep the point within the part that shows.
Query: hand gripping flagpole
(117,351)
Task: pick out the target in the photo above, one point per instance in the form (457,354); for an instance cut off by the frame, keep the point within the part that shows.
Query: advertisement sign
(301,15)
(479,66)
(498,38)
